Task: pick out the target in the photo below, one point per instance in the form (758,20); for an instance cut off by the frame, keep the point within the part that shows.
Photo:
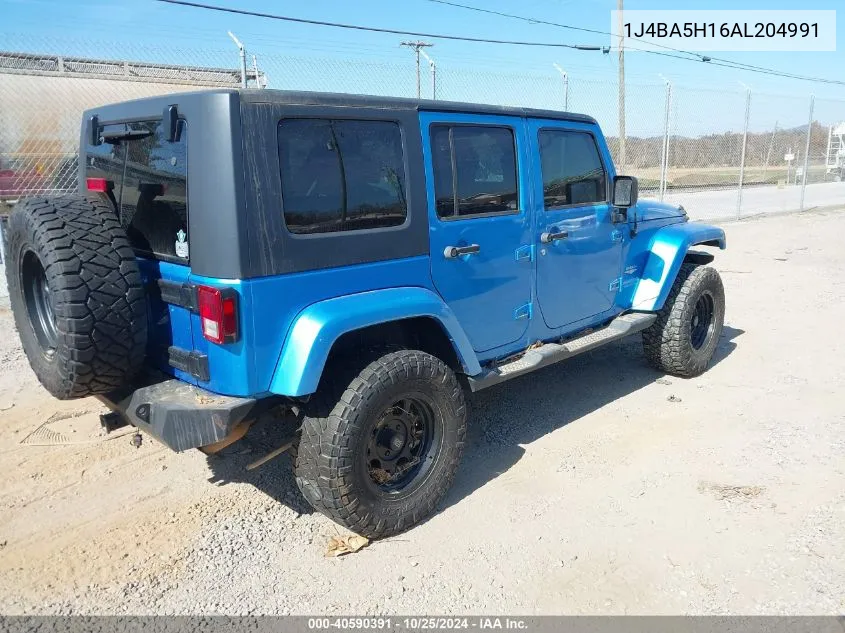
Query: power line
(372,29)
(548,23)
(692,56)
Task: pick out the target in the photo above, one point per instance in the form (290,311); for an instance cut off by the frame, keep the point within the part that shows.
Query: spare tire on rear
(76,294)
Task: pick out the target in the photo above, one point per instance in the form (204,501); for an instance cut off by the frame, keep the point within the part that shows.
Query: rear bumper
(179,415)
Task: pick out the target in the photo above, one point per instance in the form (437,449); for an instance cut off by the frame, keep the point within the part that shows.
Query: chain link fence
(722,153)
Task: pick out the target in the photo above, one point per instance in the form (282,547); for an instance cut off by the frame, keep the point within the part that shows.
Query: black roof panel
(291,97)
(400,103)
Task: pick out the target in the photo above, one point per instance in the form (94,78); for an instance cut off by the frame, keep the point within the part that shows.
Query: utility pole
(744,147)
(243,57)
(565,77)
(769,152)
(807,152)
(664,157)
(433,68)
(621,104)
(417,46)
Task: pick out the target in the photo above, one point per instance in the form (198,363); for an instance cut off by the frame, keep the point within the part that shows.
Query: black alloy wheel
(401,445)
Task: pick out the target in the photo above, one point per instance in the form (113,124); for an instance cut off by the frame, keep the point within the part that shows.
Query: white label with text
(711,30)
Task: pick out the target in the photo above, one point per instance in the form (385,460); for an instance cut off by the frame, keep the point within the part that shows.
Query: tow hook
(137,440)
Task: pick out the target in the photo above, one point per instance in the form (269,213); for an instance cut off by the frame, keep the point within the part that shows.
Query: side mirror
(625,191)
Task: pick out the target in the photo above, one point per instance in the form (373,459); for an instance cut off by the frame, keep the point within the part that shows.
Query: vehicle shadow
(522,410)
(275,478)
(501,419)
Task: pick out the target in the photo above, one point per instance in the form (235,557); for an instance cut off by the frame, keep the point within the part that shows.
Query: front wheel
(684,337)
(378,454)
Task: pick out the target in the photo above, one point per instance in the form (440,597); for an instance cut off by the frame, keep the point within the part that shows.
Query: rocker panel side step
(551,353)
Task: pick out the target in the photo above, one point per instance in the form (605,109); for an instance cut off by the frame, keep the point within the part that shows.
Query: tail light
(218,308)
(100,185)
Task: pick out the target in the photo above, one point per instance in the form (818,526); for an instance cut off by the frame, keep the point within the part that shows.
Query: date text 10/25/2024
(421,623)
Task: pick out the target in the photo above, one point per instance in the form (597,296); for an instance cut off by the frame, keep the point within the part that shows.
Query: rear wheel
(378,453)
(76,294)
(684,337)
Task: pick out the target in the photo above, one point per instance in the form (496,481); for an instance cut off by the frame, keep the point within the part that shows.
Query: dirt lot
(596,486)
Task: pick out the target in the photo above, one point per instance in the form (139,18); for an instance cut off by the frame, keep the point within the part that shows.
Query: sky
(146,24)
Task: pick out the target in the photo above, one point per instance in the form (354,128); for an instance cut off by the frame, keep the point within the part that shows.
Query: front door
(579,249)
(478,211)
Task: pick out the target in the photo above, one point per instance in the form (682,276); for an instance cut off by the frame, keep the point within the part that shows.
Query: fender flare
(315,330)
(669,245)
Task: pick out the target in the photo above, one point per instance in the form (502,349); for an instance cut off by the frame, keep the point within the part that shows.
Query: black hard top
(254,242)
(300,98)
(400,103)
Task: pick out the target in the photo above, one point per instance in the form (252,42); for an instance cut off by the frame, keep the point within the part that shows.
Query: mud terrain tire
(687,331)
(76,294)
(343,421)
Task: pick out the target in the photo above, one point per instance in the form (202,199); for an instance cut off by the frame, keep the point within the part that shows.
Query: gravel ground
(596,486)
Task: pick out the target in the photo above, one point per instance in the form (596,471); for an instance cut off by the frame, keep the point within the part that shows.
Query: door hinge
(183,295)
(189,361)
(525,253)
(523,312)
(616,284)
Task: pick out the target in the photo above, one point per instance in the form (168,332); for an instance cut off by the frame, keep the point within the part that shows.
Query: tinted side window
(573,173)
(154,196)
(341,175)
(441,156)
(479,176)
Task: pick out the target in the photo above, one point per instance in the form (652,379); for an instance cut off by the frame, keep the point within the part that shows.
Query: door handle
(548,238)
(451,252)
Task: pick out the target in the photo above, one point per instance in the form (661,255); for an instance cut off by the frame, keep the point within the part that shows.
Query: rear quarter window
(341,175)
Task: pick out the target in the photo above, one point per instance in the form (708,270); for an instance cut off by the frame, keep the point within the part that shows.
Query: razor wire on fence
(724,153)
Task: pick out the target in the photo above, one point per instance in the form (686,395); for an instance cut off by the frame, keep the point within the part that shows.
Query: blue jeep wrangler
(362,261)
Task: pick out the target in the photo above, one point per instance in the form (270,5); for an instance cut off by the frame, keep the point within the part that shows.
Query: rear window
(149,187)
(341,175)
(106,159)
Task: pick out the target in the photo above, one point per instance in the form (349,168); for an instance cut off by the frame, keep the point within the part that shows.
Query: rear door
(146,179)
(579,248)
(478,213)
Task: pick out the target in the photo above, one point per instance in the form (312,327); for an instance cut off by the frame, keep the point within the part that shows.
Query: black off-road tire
(91,334)
(669,342)
(331,456)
